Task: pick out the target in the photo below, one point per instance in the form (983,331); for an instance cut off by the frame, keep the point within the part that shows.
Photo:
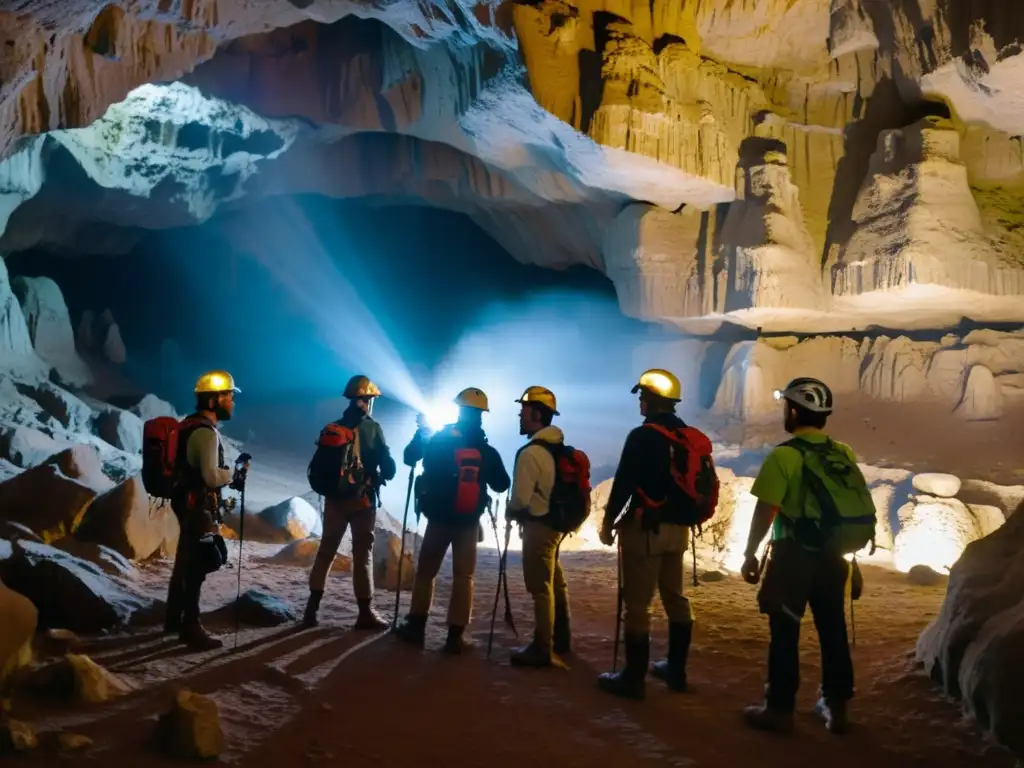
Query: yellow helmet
(471,397)
(361,386)
(215,381)
(660,382)
(540,395)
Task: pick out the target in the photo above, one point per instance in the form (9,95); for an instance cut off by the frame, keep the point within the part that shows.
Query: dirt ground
(312,697)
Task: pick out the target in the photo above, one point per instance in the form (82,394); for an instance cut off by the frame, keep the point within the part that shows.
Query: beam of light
(287,245)
(439,413)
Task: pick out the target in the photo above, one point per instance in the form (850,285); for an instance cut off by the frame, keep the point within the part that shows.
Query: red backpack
(161,440)
(336,470)
(694,487)
(451,486)
(569,506)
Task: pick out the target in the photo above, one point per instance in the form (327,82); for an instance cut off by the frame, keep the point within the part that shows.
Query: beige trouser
(338,516)
(652,561)
(544,578)
(436,540)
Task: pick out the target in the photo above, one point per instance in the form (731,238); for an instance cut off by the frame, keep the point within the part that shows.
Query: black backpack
(336,470)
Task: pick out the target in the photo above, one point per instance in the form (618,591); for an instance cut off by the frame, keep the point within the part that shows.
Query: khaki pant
(436,540)
(544,578)
(652,561)
(338,516)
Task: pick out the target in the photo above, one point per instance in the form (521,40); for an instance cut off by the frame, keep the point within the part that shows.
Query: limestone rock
(257,609)
(49,326)
(302,554)
(151,407)
(113,563)
(122,429)
(12,531)
(934,532)
(894,369)
(946,374)
(71,593)
(990,519)
(16,736)
(923,576)
(975,647)
(999,351)
(78,677)
(26,447)
(937,484)
(17,630)
(127,520)
(69,411)
(983,400)
(386,551)
(291,519)
(190,729)
(16,352)
(52,498)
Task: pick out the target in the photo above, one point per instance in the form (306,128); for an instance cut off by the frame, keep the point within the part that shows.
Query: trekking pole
(618,606)
(503,574)
(497,588)
(241,543)
(401,551)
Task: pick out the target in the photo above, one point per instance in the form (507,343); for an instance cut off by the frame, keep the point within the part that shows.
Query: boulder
(113,563)
(71,593)
(49,327)
(17,629)
(69,411)
(933,532)
(13,531)
(923,576)
(975,647)
(127,520)
(937,484)
(8,470)
(983,398)
(257,609)
(292,519)
(151,406)
(121,429)
(190,729)
(386,552)
(27,447)
(52,498)
(16,736)
(302,553)
(79,678)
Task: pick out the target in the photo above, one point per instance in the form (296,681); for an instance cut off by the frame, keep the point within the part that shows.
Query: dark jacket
(373,449)
(645,464)
(437,455)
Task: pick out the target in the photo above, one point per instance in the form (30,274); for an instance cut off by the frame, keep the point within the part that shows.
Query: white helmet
(808,393)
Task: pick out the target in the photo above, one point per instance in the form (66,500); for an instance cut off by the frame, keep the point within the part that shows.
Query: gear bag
(450,484)
(336,470)
(569,506)
(161,442)
(838,511)
(693,490)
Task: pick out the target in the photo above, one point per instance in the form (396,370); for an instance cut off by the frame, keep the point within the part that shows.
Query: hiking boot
(309,619)
(764,718)
(534,655)
(369,618)
(561,636)
(172,626)
(629,683)
(412,630)
(672,671)
(456,642)
(833,713)
(197,638)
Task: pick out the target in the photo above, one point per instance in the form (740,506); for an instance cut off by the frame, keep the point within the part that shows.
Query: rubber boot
(561,635)
(412,630)
(833,713)
(309,618)
(197,638)
(764,718)
(369,618)
(456,643)
(673,669)
(535,655)
(629,683)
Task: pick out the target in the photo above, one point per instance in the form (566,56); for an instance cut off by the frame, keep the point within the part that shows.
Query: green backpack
(839,512)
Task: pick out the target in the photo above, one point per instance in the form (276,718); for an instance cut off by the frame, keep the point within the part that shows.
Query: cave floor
(289,696)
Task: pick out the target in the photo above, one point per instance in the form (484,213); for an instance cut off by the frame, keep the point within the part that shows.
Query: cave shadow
(712,369)
(591,85)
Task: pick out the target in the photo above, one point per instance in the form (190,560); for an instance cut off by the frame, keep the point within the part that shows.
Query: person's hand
(751,570)
(607,535)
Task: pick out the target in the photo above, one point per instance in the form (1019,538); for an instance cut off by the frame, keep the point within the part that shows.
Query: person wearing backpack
(459,465)
(200,474)
(352,461)
(814,497)
(542,498)
(668,477)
